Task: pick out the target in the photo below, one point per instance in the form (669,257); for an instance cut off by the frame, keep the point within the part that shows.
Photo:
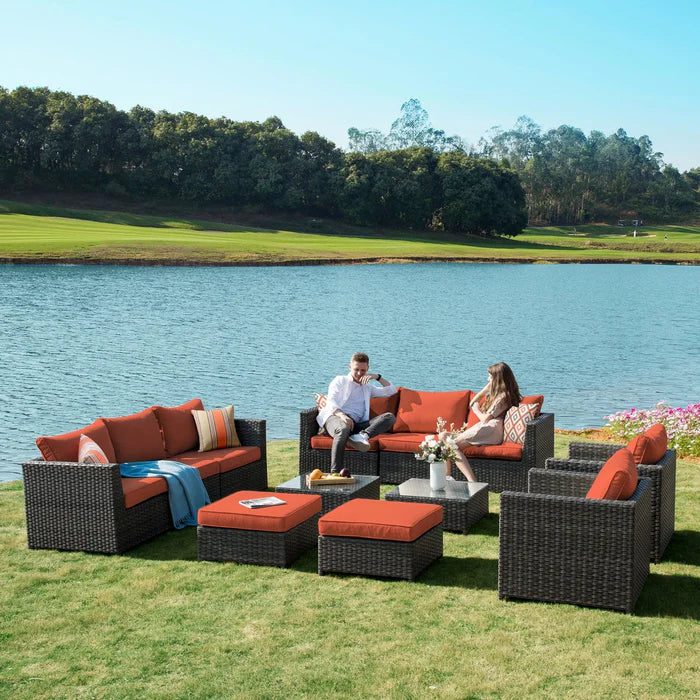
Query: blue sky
(327,66)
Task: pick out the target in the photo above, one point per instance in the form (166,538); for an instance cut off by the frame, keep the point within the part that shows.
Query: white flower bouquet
(433,449)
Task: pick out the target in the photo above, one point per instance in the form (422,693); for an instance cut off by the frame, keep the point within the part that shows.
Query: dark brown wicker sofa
(91,508)
(391,456)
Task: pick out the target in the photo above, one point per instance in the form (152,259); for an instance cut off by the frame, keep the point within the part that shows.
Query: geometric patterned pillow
(216,429)
(516,420)
(89,452)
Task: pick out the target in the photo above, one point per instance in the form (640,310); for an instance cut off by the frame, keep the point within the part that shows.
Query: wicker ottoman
(274,536)
(389,539)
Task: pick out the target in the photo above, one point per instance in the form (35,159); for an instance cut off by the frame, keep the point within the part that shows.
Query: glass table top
(298,483)
(454,490)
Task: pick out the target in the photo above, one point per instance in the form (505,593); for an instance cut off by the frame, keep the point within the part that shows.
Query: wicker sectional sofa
(91,508)
(391,456)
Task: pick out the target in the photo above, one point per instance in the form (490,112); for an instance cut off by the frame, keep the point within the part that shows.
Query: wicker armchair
(81,507)
(590,457)
(557,546)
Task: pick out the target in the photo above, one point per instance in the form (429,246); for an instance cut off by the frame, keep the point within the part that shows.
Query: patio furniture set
(554,543)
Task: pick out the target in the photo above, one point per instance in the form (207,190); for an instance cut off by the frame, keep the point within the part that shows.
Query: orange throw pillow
(650,446)
(179,430)
(617,480)
(419,410)
(384,404)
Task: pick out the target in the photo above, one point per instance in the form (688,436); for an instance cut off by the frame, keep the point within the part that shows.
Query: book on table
(262,502)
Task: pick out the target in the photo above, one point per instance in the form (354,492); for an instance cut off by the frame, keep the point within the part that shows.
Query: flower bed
(682,426)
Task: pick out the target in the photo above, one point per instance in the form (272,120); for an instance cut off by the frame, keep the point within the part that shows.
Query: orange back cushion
(136,438)
(178,426)
(384,404)
(64,448)
(650,446)
(617,480)
(419,410)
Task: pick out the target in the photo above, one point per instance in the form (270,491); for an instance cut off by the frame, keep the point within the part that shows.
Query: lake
(81,341)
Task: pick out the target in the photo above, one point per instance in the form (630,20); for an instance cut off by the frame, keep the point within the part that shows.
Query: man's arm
(387,388)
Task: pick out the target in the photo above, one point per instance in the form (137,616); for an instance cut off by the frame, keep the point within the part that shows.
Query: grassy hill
(35,233)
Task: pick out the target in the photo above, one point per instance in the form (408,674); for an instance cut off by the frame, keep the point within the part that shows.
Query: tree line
(55,140)
(568,177)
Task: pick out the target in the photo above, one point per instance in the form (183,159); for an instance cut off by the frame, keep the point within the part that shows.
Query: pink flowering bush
(682,426)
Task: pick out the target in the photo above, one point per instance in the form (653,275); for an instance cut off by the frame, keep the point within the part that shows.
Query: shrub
(682,426)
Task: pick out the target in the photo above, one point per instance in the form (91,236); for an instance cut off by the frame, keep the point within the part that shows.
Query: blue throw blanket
(186,491)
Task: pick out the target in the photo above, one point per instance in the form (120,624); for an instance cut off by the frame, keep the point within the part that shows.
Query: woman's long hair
(502,382)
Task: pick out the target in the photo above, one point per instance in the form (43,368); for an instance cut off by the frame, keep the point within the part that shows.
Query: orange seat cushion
(419,410)
(229,513)
(139,489)
(324,442)
(205,465)
(380,520)
(64,448)
(401,442)
(617,479)
(136,438)
(384,404)
(650,446)
(227,458)
(178,426)
(506,450)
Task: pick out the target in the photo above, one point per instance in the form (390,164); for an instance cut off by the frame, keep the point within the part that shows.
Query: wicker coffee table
(333,495)
(464,503)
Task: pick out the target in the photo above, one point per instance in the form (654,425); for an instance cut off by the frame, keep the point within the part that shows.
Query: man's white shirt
(339,395)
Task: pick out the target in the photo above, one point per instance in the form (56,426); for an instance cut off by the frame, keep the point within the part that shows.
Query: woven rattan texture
(458,515)
(81,507)
(255,546)
(590,457)
(397,467)
(331,500)
(569,549)
(383,558)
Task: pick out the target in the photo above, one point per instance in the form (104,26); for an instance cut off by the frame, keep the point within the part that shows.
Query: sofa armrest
(252,432)
(600,451)
(538,444)
(308,427)
(574,465)
(559,483)
(69,504)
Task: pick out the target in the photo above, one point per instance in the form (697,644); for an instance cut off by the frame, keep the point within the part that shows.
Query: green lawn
(34,232)
(156,623)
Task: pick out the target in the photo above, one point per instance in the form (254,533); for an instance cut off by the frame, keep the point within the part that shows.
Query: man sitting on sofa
(345,415)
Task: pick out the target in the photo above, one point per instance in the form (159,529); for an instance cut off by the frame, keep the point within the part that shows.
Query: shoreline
(379,260)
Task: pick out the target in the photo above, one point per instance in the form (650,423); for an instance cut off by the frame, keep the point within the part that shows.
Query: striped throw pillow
(516,420)
(89,452)
(216,429)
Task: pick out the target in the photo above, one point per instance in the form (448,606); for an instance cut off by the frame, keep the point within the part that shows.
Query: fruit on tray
(316,474)
(344,472)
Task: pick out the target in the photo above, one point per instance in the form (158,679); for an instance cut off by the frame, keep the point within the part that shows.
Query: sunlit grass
(33,232)
(155,622)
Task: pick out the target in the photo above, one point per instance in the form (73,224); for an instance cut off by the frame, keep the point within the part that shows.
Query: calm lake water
(78,342)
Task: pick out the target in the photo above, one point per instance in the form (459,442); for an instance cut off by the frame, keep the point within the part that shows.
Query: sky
(328,66)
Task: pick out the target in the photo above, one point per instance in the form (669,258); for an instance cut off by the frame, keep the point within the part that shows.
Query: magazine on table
(263,502)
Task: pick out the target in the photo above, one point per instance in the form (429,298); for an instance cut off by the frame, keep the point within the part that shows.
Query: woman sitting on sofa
(490,406)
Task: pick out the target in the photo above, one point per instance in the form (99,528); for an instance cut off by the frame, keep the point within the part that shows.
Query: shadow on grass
(174,545)
(462,572)
(684,548)
(670,596)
